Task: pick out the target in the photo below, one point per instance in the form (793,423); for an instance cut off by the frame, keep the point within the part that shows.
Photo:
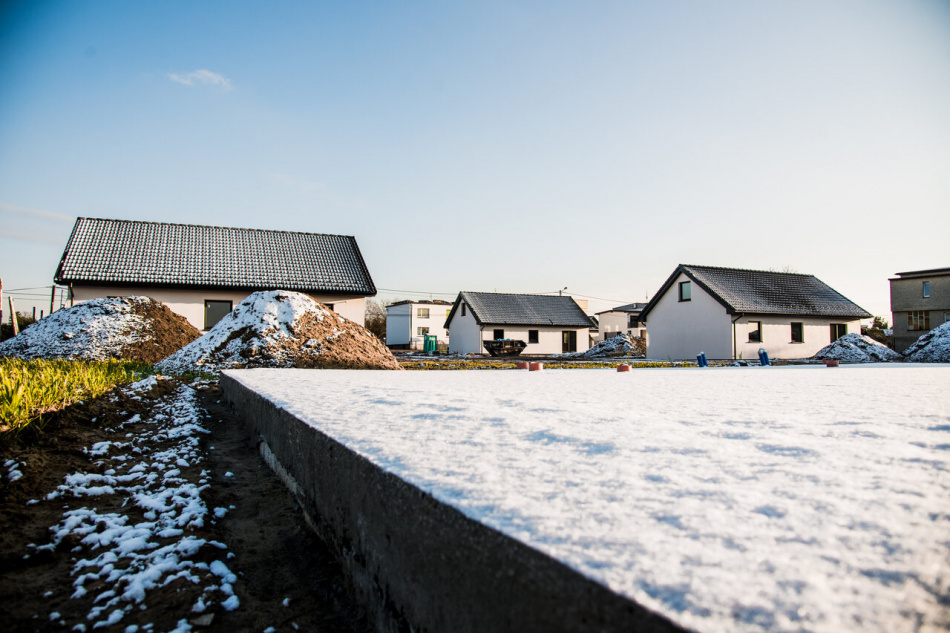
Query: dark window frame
(799,336)
(533,336)
(422,330)
(758,332)
(632,321)
(918,321)
(926,289)
(498,334)
(463,309)
(688,294)
(422,313)
(568,341)
(208,303)
(838,330)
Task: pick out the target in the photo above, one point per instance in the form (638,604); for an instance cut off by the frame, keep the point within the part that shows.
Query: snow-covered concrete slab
(730,499)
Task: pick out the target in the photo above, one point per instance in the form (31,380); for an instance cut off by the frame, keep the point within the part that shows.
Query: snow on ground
(731,499)
(932,347)
(122,556)
(854,348)
(93,330)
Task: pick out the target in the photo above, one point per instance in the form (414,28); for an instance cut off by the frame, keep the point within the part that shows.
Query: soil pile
(932,347)
(127,328)
(854,348)
(279,328)
(620,345)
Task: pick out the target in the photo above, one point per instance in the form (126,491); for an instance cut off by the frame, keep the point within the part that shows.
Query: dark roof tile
(492,308)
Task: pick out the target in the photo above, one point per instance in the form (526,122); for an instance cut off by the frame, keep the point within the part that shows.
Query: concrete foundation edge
(416,563)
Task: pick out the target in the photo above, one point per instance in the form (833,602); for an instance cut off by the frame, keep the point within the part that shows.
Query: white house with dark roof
(623,319)
(548,324)
(201,272)
(731,313)
(407,323)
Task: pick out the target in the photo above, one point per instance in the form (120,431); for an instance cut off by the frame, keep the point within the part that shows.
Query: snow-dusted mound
(279,328)
(129,328)
(620,345)
(932,347)
(854,348)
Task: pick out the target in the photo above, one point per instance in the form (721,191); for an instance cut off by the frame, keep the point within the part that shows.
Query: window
(838,330)
(532,336)
(421,331)
(926,289)
(798,333)
(568,341)
(422,313)
(463,309)
(498,335)
(685,291)
(643,334)
(329,306)
(215,311)
(755,331)
(632,321)
(919,320)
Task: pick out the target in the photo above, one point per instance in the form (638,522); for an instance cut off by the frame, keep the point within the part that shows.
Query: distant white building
(623,319)
(548,324)
(407,323)
(731,313)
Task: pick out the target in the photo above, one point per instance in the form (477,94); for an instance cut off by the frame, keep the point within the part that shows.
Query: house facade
(407,323)
(548,324)
(623,319)
(920,301)
(202,272)
(731,313)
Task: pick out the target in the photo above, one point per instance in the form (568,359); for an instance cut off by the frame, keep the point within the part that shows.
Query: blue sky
(510,146)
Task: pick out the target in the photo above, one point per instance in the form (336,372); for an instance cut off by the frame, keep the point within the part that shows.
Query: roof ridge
(209,226)
(746,270)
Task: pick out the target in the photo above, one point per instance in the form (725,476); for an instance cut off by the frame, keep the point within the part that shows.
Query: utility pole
(1,300)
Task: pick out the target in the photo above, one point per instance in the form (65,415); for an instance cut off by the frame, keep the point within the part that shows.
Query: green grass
(31,390)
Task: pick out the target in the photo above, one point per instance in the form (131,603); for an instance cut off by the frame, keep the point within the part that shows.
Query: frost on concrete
(855,348)
(732,499)
(932,347)
(279,328)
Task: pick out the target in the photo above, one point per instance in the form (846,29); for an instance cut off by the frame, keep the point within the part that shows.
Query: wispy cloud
(36,213)
(201,77)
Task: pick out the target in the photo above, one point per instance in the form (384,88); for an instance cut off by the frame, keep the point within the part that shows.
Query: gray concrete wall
(417,563)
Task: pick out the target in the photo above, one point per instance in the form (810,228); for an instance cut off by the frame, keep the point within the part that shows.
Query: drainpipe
(735,348)
(71,295)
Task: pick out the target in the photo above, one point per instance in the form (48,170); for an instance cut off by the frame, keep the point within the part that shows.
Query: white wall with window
(613,322)
(407,323)
(468,336)
(192,304)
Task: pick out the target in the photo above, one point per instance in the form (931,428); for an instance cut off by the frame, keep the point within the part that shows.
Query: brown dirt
(355,348)
(168,332)
(287,578)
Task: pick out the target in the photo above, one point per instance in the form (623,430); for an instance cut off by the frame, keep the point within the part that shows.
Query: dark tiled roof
(125,252)
(766,292)
(933,272)
(438,302)
(628,307)
(490,308)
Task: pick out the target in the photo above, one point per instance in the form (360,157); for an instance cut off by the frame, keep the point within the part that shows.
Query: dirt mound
(279,328)
(932,347)
(127,328)
(854,348)
(620,345)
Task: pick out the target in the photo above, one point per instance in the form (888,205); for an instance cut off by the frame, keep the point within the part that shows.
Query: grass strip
(30,390)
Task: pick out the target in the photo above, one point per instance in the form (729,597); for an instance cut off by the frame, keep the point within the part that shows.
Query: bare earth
(286,577)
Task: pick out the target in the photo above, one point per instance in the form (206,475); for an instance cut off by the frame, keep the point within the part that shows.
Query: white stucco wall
(467,336)
(682,329)
(464,333)
(190,303)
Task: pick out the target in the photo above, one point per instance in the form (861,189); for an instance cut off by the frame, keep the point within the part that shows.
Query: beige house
(202,272)
(920,301)
(731,313)
(547,324)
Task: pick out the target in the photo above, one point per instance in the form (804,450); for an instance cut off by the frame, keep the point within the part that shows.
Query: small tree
(877,332)
(375,318)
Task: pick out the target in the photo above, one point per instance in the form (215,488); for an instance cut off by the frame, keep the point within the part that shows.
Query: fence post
(52,298)
(13,319)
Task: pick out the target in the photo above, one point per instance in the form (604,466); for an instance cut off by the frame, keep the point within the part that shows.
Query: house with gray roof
(548,324)
(623,319)
(731,313)
(920,301)
(201,272)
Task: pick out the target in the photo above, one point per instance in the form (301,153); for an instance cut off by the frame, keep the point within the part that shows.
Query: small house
(408,322)
(920,301)
(202,272)
(623,319)
(547,324)
(731,313)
